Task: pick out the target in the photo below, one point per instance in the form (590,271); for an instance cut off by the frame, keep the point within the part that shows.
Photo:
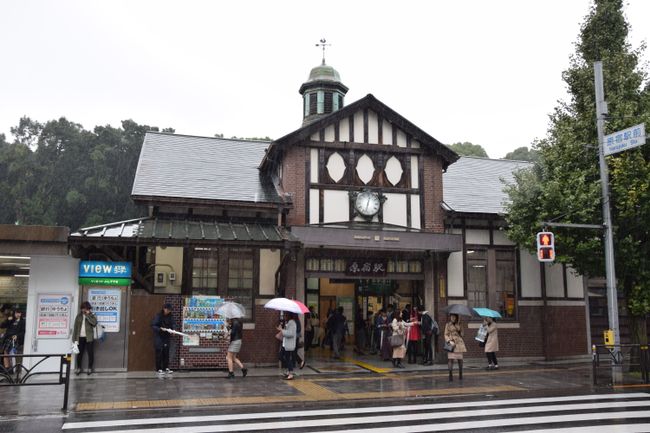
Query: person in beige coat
(491,343)
(399,328)
(454,336)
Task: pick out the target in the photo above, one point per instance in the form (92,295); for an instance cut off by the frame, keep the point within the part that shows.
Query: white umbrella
(231,310)
(284,304)
(171,331)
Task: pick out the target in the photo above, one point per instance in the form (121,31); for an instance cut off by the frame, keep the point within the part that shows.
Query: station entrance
(361,300)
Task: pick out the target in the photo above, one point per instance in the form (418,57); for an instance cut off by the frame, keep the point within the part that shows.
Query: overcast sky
(488,72)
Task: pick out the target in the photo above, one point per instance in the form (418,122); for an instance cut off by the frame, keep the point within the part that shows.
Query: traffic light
(545,247)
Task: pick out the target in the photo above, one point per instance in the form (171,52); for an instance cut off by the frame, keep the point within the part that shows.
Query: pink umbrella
(284,304)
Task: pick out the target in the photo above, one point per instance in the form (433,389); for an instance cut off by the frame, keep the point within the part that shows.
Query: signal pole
(612,299)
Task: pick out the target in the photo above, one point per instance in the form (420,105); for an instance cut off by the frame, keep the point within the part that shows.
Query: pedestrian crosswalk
(611,413)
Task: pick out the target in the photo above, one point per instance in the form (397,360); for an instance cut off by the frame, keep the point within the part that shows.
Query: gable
(366,121)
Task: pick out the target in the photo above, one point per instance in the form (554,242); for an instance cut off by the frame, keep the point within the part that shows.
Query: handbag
(99,332)
(448,347)
(279,336)
(484,342)
(396,340)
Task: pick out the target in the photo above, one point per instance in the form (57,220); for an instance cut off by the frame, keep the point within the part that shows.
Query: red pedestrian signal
(545,247)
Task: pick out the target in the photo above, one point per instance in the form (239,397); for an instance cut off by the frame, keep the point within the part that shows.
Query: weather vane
(323,43)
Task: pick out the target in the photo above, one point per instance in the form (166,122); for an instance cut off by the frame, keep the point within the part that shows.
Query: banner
(53,316)
(106,305)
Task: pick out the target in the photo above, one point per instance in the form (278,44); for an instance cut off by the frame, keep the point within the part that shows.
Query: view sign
(105,269)
(625,139)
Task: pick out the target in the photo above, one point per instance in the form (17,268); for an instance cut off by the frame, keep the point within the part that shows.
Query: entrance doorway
(361,300)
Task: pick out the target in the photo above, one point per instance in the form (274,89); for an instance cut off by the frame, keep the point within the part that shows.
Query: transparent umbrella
(231,310)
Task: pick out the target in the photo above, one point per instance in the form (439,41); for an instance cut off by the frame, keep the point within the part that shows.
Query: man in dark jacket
(430,330)
(337,323)
(160,324)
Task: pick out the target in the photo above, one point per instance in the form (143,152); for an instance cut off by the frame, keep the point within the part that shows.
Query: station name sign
(105,273)
(367,268)
(624,139)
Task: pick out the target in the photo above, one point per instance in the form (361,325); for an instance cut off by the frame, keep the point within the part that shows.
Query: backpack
(430,326)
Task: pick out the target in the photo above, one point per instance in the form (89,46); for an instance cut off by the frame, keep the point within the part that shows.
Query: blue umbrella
(486,312)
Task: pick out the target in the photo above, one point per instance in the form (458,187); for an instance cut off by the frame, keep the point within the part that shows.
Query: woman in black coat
(14,337)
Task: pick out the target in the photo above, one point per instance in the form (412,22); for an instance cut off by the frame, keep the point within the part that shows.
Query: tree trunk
(638,335)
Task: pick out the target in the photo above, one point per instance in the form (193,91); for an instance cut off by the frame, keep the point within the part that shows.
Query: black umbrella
(460,309)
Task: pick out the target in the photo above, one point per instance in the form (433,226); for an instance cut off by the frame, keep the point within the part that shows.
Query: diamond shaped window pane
(336,166)
(365,168)
(393,170)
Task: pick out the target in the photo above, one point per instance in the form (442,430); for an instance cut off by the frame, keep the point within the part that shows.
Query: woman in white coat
(492,343)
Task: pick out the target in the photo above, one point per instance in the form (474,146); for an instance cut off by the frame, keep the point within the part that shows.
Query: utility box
(608,337)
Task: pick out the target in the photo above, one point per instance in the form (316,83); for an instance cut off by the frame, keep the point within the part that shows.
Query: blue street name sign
(625,139)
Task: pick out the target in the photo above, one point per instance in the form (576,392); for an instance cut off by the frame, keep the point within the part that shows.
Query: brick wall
(432,190)
(566,331)
(293,181)
(559,333)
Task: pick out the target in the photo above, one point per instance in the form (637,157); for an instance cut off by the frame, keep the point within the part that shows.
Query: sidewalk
(322,380)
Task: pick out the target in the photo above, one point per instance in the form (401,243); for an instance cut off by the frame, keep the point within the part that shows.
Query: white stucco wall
(336,206)
(415,212)
(499,237)
(269,263)
(575,284)
(415,172)
(387,132)
(358,127)
(314,206)
(480,237)
(531,286)
(373,127)
(554,280)
(313,165)
(395,209)
(50,275)
(455,274)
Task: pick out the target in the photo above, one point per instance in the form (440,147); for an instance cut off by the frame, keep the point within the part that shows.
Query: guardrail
(18,375)
(617,358)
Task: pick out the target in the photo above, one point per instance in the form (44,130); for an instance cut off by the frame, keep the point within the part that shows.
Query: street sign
(624,140)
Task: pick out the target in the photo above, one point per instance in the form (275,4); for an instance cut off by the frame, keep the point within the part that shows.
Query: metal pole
(612,300)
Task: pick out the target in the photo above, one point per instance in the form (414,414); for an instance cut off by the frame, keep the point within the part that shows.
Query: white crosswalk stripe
(605,412)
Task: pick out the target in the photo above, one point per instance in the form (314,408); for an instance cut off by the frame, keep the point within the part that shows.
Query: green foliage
(57,173)
(523,154)
(564,184)
(468,149)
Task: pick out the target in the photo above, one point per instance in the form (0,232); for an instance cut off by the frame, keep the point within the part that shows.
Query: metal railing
(18,374)
(621,358)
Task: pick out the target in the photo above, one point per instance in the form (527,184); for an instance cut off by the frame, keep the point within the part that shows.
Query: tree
(522,154)
(58,173)
(564,185)
(468,149)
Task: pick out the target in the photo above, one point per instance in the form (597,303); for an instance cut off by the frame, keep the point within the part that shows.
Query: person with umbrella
(235,326)
(454,337)
(233,312)
(289,339)
(491,343)
(161,326)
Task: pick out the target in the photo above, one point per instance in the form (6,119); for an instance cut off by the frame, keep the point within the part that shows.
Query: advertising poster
(106,306)
(53,319)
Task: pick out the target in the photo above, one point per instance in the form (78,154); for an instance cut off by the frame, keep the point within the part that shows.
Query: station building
(357,208)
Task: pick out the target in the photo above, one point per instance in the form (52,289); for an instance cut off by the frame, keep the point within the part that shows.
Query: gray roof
(161,229)
(474,185)
(188,167)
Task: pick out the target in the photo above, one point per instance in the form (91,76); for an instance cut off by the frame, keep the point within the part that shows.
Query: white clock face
(367,204)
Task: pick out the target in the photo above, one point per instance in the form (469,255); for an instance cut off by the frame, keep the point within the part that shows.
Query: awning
(170,231)
(376,238)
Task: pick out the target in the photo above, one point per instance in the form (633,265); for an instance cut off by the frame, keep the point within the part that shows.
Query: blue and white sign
(624,140)
(106,306)
(105,269)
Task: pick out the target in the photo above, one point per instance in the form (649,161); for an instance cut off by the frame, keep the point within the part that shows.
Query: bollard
(593,362)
